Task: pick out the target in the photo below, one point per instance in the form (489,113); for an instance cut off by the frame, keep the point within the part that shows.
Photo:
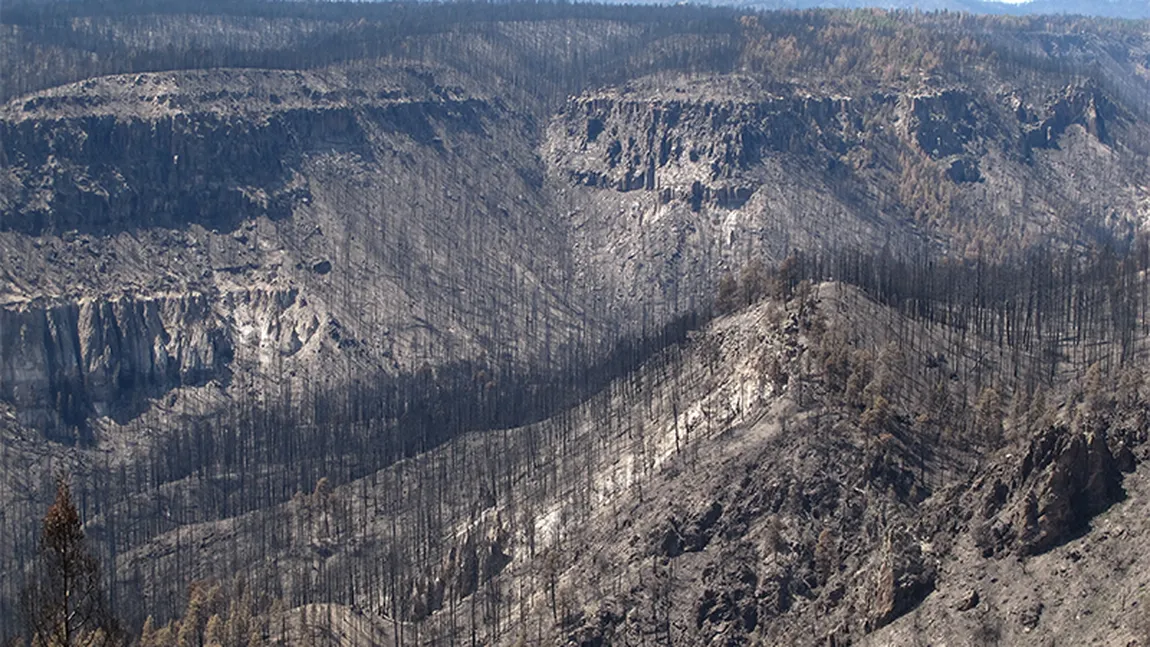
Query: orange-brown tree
(63,602)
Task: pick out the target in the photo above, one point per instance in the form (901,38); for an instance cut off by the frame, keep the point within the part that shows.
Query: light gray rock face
(694,146)
(673,181)
(61,363)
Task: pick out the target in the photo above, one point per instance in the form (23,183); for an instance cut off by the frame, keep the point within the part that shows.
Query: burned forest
(538,323)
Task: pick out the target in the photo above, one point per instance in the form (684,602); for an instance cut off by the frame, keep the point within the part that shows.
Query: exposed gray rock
(61,363)
(904,578)
(341,186)
(969,600)
(1064,479)
(1029,615)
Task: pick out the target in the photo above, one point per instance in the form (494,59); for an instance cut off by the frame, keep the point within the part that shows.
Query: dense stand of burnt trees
(308,35)
(1035,305)
(253,456)
(1044,309)
(51,43)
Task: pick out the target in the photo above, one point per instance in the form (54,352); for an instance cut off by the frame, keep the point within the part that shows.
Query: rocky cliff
(69,363)
(168,151)
(346,186)
(66,362)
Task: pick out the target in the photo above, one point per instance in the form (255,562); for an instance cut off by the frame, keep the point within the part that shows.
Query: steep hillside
(296,217)
(733,489)
(687,174)
(407,314)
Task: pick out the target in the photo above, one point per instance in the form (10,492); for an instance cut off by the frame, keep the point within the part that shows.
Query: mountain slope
(731,489)
(403,313)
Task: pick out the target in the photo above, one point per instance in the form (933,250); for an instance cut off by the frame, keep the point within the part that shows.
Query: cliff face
(696,141)
(103,174)
(959,127)
(673,181)
(704,142)
(161,151)
(63,363)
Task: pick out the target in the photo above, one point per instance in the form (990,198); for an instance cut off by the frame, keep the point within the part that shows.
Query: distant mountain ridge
(1128,9)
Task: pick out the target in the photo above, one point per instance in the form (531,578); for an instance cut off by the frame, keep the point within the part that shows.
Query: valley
(576,324)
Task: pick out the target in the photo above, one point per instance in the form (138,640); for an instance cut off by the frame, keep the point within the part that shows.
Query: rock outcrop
(393,202)
(61,363)
(64,363)
(905,576)
(692,146)
(1062,482)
